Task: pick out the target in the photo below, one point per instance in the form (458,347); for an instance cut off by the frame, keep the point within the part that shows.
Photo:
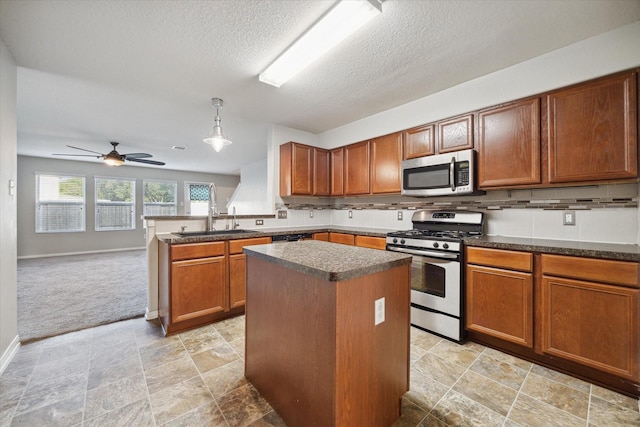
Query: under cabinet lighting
(342,20)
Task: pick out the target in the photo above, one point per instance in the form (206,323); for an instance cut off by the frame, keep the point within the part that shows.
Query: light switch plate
(379,308)
(569,218)
(350,214)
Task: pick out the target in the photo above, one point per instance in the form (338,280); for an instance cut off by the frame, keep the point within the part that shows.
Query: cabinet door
(321,172)
(356,169)
(509,145)
(371,242)
(197,288)
(455,134)
(337,171)
(296,169)
(591,324)
(237,280)
(419,142)
(321,236)
(386,164)
(500,303)
(592,131)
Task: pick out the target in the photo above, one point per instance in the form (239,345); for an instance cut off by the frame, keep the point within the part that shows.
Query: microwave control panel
(462,176)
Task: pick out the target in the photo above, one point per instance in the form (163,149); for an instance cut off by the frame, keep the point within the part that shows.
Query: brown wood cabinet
(419,142)
(192,284)
(500,294)
(296,169)
(509,145)
(587,321)
(592,130)
(455,134)
(345,239)
(321,236)
(337,171)
(237,269)
(386,163)
(321,172)
(371,242)
(356,169)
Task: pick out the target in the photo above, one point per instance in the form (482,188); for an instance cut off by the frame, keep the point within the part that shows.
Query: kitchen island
(327,332)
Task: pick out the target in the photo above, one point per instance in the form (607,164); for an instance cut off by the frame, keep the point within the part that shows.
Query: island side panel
(290,342)
(372,370)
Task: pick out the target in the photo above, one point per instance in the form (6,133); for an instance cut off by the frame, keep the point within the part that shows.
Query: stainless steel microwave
(439,175)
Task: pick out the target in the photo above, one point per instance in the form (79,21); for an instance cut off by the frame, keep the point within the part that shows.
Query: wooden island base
(314,352)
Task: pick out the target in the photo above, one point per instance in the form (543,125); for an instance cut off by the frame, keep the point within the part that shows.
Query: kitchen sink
(211,233)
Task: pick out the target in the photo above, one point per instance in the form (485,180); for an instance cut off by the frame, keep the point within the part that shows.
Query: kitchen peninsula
(327,332)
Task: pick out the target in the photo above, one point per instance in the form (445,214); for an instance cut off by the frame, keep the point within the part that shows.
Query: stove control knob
(402,241)
(445,246)
(435,244)
(395,240)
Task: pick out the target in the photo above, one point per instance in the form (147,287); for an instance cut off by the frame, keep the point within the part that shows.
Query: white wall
(251,195)
(32,244)
(8,208)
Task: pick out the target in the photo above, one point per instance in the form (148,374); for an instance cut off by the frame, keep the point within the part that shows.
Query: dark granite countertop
(328,261)
(559,247)
(229,235)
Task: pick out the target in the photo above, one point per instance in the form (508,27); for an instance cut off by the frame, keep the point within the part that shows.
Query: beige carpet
(68,293)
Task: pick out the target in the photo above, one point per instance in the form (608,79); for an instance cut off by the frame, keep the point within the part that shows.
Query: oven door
(436,284)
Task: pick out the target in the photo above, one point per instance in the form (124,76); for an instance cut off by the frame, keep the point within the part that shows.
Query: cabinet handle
(452,174)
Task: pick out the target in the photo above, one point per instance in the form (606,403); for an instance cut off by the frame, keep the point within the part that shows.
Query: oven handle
(424,253)
(452,175)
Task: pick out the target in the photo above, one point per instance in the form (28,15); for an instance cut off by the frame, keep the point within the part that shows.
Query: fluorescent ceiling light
(342,20)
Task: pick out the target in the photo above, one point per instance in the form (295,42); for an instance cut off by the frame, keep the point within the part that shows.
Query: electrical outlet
(569,218)
(311,213)
(282,214)
(350,214)
(399,215)
(259,221)
(379,309)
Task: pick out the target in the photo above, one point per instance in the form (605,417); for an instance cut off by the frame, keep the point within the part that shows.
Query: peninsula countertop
(328,261)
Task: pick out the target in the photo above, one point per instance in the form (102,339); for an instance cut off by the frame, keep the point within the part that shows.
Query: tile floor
(128,374)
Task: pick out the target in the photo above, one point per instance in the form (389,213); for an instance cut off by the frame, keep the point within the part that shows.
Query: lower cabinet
(371,242)
(321,236)
(578,315)
(199,283)
(345,239)
(500,294)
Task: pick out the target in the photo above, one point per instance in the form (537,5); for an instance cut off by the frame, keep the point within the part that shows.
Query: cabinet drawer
(599,270)
(196,250)
(371,242)
(235,246)
(512,260)
(345,239)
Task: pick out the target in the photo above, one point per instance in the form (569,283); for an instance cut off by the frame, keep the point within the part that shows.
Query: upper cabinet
(592,130)
(304,170)
(455,134)
(386,161)
(509,144)
(337,171)
(356,169)
(419,142)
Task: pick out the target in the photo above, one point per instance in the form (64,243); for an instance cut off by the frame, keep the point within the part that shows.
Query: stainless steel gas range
(437,275)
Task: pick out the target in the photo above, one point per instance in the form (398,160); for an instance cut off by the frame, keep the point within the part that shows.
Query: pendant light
(216,138)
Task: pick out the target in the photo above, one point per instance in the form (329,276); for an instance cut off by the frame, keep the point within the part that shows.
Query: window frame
(98,204)
(187,197)
(38,202)
(161,181)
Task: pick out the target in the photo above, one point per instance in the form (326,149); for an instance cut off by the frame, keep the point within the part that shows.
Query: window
(59,203)
(159,197)
(115,204)
(197,198)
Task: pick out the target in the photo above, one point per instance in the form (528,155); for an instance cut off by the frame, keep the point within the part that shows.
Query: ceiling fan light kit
(342,20)
(216,138)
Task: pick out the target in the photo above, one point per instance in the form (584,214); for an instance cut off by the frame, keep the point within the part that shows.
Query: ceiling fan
(113,158)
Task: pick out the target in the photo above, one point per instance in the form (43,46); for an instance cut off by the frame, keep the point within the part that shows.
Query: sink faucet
(234,224)
(212,207)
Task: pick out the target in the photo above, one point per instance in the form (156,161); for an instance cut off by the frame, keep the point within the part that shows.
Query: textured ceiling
(143,72)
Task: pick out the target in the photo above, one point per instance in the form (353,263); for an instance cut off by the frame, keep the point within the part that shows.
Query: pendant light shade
(216,138)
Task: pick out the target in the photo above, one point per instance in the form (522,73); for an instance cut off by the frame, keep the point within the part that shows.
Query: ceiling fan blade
(78,155)
(137,155)
(84,149)
(150,162)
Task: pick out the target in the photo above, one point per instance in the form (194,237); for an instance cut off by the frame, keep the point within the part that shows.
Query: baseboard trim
(150,315)
(80,253)
(7,356)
